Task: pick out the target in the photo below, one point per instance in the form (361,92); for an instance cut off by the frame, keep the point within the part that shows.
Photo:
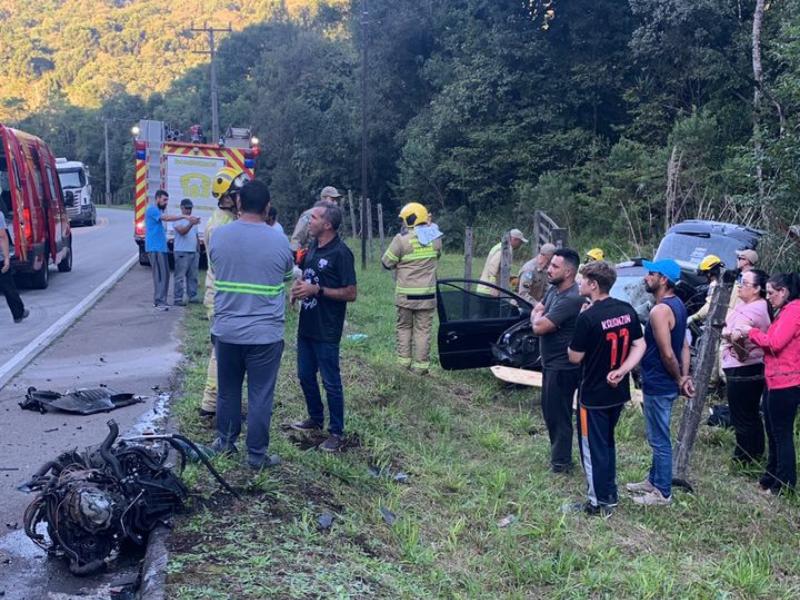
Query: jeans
(744,399)
(657,414)
(159,264)
(322,357)
(780,410)
(558,391)
(186,264)
(261,363)
(9,288)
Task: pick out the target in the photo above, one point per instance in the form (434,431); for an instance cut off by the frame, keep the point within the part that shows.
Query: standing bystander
(553,320)
(328,283)
(252,263)
(7,284)
(608,342)
(186,248)
(155,244)
(665,374)
(533,275)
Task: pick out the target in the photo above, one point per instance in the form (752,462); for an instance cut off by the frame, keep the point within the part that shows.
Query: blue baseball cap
(667,267)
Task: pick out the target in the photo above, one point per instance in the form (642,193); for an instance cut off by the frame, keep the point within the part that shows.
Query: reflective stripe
(404,361)
(255,289)
(390,255)
(415,291)
(289,275)
(418,251)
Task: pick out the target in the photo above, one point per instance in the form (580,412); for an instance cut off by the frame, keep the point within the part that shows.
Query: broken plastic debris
(388,516)
(356,337)
(325,520)
(400,477)
(82,401)
(507,520)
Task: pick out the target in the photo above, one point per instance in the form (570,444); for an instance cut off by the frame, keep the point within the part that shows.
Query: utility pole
(108,167)
(364,160)
(212,53)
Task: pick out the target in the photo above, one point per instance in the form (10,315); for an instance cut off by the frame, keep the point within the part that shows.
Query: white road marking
(21,359)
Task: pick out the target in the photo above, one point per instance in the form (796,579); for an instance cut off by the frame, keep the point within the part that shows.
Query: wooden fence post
(380,228)
(352,212)
(369,228)
(706,364)
(505,262)
(468,253)
(537,231)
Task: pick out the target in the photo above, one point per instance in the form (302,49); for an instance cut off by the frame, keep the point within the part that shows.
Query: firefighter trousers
(414,337)
(209,402)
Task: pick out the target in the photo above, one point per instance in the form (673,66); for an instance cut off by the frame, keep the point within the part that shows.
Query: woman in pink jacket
(781,344)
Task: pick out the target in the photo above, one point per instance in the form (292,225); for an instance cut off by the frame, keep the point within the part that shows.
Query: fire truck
(184,165)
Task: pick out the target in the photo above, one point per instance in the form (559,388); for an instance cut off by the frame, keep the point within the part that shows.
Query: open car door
(470,322)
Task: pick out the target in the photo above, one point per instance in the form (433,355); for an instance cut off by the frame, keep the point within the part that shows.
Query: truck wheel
(65,266)
(41,278)
(144,260)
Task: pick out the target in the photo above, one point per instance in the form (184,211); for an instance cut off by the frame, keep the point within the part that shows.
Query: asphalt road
(121,342)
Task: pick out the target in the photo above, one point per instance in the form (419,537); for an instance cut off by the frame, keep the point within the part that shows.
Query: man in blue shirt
(155,244)
(186,249)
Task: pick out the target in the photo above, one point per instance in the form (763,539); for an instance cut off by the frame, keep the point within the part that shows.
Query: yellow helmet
(413,214)
(596,254)
(709,262)
(228,179)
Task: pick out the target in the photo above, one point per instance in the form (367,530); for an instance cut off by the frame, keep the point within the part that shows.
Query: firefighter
(711,266)
(225,188)
(594,254)
(415,293)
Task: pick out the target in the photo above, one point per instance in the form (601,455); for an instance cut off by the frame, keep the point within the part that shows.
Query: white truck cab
(77,188)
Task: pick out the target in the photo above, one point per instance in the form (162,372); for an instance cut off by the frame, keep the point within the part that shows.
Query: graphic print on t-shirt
(312,276)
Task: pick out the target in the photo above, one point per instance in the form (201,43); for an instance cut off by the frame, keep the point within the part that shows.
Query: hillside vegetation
(483,109)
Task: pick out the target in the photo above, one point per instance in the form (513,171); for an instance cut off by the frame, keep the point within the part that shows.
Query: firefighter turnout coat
(416,270)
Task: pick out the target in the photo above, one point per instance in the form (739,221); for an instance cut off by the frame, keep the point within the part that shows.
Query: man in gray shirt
(186,251)
(252,262)
(553,320)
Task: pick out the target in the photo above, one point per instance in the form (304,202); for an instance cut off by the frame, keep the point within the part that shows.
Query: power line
(212,53)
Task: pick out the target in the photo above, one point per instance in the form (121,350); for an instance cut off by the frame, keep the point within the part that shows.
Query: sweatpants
(599,453)
(159,264)
(558,392)
(9,289)
(780,411)
(260,362)
(745,385)
(414,337)
(186,264)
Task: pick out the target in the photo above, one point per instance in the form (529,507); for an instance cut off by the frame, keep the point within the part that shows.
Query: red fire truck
(184,166)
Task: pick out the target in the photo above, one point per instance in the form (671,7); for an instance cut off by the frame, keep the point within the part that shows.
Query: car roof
(748,235)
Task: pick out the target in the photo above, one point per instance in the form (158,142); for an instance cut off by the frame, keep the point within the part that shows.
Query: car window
(461,302)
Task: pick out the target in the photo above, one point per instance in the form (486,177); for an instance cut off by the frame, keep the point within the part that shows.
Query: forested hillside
(484,109)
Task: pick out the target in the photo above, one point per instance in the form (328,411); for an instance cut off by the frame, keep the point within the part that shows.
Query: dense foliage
(484,109)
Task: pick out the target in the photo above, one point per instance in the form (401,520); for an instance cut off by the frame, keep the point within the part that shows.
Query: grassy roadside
(474,453)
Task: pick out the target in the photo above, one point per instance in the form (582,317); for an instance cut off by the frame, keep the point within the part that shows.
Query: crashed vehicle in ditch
(478,330)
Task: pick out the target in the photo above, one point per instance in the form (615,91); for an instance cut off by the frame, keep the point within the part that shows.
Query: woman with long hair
(781,345)
(743,365)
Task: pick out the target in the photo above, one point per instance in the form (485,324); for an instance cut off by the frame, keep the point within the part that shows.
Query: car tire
(65,266)
(41,278)
(144,260)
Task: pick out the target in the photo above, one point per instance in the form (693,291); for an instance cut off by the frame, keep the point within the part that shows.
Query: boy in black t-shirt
(327,285)
(608,342)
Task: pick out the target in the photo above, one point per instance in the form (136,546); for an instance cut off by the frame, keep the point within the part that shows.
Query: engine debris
(93,502)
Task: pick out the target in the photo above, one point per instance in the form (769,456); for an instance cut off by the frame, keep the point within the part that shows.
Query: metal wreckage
(96,501)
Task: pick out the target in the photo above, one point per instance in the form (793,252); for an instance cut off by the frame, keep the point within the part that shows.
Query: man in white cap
(300,238)
(746,260)
(533,275)
(491,269)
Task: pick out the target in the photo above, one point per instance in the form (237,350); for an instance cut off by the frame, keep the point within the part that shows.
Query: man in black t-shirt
(608,342)
(327,285)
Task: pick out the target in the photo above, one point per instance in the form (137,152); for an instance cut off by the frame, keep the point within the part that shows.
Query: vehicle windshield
(689,250)
(73,178)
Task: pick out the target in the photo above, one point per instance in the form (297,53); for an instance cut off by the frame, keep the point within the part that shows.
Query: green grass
(475,453)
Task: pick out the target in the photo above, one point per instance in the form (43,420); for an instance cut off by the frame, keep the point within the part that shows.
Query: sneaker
(643,487)
(653,498)
(179,303)
(334,443)
(218,449)
(161,307)
(589,509)
(562,469)
(306,425)
(270,461)
(25,314)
